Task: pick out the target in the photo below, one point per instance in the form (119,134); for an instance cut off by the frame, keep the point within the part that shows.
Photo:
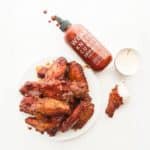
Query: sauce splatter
(53,18)
(44,11)
(57,24)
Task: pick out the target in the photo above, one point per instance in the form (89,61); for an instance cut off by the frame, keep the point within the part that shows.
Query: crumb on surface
(30,128)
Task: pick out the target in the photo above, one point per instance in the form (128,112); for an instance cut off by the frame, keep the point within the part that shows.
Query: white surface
(31,75)
(123,92)
(127,61)
(26,37)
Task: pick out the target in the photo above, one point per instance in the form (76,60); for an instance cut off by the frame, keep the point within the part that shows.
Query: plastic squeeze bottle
(85,44)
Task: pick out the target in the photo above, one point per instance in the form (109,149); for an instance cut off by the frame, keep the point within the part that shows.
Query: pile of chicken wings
(59,100)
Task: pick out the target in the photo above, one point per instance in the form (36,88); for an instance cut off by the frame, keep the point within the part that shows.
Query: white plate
(30,75)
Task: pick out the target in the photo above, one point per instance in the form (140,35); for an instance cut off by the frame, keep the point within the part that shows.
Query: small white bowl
(127,61)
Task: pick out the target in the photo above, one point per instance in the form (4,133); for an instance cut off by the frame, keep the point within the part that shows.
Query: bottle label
(86,45)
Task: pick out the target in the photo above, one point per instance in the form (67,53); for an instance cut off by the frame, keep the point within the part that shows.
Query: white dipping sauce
(127,61)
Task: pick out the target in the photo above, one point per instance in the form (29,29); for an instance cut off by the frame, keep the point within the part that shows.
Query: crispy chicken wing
(40,125)
(49,107)
(54,89)
(57,70)
(76,73)
(58,121)
(85,114)
(114,102)
(43,106)
(51,126)
(62,90)
(45,125)
(77,116)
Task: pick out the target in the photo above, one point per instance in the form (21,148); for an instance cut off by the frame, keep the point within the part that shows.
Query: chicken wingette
(76,73)
(49,107)
(81,114)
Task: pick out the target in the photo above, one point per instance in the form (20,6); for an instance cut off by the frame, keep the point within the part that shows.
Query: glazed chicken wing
(57,69)
(51,126)
(40,125)
(77,117)
(76,73)
(58,121)
(49,107)
(43,106)
(114,102)
(85,114)
(62,90)
(54,89)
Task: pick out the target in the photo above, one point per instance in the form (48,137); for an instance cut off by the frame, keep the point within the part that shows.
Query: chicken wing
(51,126)
(114,102)
(76,73)
(49,107)
(57,69)
(55,89)
(40,125)
(85,114)
(62,90)
(58,121)
(75,116)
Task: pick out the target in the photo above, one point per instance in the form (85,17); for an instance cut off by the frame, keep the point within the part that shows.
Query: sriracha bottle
(85,44)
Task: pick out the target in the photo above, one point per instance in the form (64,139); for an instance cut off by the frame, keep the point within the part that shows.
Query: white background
(26,37)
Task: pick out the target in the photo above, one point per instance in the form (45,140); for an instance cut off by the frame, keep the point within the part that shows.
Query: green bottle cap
(64,24)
